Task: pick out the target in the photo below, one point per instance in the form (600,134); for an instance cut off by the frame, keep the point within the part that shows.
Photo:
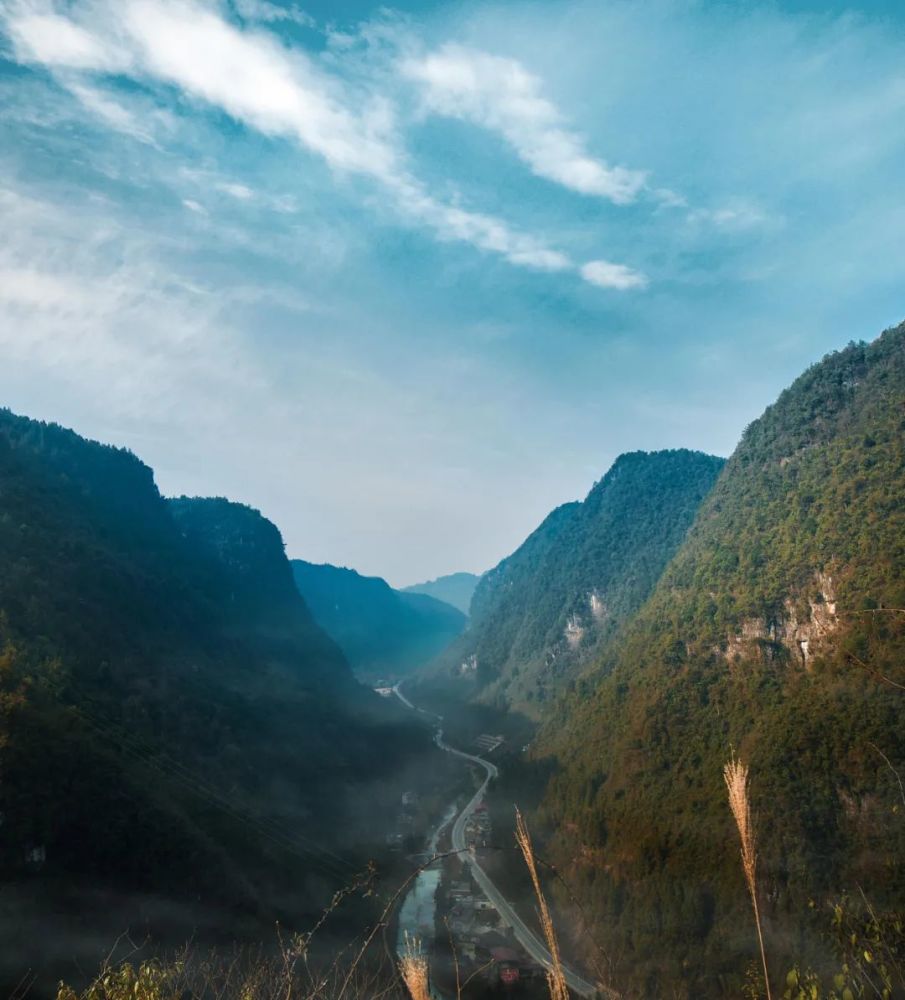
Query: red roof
(504,955)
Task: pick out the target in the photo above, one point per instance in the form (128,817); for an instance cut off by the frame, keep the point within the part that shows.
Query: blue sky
(407,278)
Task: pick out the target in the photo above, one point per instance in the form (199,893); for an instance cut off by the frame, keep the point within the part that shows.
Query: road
(530,941)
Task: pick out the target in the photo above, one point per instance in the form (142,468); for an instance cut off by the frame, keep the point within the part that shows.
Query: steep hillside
(455,589)
(380,630)
(539,615)
(772,631)
(171,718)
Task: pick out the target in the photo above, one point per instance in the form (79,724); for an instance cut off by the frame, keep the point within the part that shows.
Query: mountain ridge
(382,631)
(538,616)
(167,703)
(453,588)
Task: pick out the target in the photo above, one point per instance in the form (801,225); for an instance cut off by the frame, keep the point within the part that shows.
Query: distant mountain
(455,589)
(172,719)
(540,615)
(776,630)
(382,631)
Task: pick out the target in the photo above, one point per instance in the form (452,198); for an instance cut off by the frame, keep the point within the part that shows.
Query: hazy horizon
(406,280)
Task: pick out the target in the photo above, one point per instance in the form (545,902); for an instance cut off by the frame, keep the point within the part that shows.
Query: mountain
(382,631)
(776,630)
(539,616)
(455,589)
(172,720)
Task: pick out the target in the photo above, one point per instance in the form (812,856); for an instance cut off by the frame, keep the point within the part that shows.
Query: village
(474,952)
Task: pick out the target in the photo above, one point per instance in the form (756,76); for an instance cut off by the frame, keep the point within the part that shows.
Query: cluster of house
(477,829)
(482,943)
(487,743)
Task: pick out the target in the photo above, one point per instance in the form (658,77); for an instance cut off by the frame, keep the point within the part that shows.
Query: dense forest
(777,630)
(172,720)
(382,632)
(542,613)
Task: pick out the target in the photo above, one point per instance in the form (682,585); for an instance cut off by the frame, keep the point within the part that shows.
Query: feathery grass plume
(735,774)
(556,979)
(413,969)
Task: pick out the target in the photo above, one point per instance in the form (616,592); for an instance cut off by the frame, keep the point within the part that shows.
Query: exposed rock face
(574,632)
(469,665)
(598,607)
(799,630)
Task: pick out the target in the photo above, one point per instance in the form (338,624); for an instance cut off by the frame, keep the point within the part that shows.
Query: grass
(414,971)
(556,979)
(735,774)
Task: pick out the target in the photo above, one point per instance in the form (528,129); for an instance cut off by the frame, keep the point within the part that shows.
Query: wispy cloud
(606,275)
(284,92)
(56,40)
(241,192)
(110,111)
(89,307)
(501,95)
(736,215)
(267,12)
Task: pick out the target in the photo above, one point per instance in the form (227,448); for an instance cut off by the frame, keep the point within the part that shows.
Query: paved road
(526,937)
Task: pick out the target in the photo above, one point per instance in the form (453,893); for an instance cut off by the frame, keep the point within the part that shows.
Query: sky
(406,278)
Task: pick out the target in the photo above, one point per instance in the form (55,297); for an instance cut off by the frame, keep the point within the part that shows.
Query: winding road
(530,941)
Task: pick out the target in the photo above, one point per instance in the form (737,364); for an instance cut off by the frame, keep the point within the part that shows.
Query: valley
(204,739)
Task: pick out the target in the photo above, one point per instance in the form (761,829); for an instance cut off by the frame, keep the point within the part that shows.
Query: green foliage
(868,954)
(803,537)
(151,980)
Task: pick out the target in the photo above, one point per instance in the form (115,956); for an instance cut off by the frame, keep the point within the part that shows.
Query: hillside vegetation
(772,631)
(172,720)
(382,631)
(544,611)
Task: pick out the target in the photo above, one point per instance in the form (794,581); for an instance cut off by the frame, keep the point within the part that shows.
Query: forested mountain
(171,717)
(455,589)
(777,629)
(382,631)
(541,614)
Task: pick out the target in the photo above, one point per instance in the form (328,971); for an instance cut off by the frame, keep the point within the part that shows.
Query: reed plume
(735,774)
(556,979)
(413,969)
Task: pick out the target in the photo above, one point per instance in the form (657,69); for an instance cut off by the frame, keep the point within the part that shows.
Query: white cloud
(110,111)
(240,192)
(669,198)
(57,41)
(266,12)
(194,206)
(26,288)
(617,276)
(259,81)
(737,215)
(501,95)
(87,307)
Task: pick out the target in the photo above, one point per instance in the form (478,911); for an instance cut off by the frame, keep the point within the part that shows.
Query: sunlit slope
(771,632)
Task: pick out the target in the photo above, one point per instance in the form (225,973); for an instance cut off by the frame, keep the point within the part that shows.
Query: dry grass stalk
(413,969)
(735,774)
(556,979)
